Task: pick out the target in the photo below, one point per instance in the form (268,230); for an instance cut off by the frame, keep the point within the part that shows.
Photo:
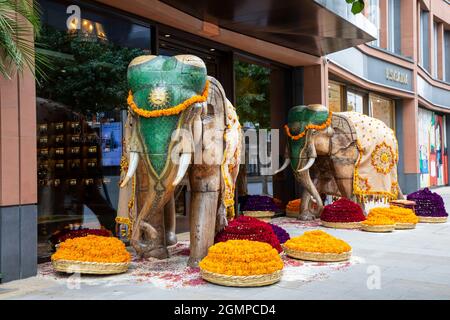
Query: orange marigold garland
(308,127)
(397,214)
(242,258)
(169,111)
(93,249)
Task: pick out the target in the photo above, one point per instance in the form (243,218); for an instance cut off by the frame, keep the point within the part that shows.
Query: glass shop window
(81,108)
(374,17)
(252,88)
(355,102)
(424,40)
(335,96)
(382,109)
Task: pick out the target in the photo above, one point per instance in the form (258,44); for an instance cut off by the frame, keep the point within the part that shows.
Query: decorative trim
(308,127)
(170,111)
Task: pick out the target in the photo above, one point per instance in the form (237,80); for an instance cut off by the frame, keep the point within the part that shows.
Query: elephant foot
(307,216)
(149,250)
(193,262)
(171,238)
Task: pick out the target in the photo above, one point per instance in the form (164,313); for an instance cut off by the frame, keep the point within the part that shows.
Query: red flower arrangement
(342,210)
(248,228)
(65,234)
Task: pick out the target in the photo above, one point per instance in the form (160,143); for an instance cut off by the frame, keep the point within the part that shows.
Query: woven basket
(70,266)
(378,228)
(292,214)
(341,225)
(241,281)
(404,226)
(259,214)
(317,256)
(432,219)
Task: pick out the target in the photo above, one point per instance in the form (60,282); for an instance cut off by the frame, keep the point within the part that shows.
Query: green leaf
(357,6)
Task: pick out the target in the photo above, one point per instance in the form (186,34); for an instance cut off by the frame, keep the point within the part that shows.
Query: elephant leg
(205,184)
(306,214)
(170,222)
(345,186)
(148,235)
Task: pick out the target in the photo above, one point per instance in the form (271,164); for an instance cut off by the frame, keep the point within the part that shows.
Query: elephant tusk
(185,160)
(284,166)
(134,160)
(308,165)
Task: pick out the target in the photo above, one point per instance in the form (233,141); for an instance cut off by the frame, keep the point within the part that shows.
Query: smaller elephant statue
(343,154)
(179,122)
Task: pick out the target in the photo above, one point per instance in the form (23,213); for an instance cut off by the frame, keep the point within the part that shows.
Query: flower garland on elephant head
(169,111)
(322,126)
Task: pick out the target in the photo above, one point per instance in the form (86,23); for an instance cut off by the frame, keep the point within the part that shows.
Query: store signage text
(396,75)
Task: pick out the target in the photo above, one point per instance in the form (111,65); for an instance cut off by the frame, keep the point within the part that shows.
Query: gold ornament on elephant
(159,97)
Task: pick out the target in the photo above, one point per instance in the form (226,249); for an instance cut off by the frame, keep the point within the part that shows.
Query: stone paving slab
(413,264)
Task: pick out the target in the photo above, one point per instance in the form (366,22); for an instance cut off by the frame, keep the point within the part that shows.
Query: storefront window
(80,110)
(382,109)
(334,97)
(252,87)
(355,102)
(433,157)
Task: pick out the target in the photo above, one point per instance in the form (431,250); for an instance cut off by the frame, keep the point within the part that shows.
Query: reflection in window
(355,102)
(334,97)
(253,108)
(374,17)
(382,109)
(80,114)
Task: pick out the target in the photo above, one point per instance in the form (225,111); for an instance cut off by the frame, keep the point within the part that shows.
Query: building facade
(61,138)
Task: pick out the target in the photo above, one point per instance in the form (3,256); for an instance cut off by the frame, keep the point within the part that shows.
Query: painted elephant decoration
(344,154)
(179,122)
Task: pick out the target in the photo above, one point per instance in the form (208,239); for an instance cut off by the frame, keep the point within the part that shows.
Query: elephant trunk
(308,157)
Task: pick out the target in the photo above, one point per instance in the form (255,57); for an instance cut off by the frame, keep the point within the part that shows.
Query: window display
(79,117)
(335,97)
(382,109)
(433,156)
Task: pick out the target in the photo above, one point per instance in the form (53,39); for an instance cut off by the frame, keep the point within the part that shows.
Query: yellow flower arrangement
(318,241)
(397,214)
(242,258)
(169,111)
(93,249)
(374,219)
(309,126)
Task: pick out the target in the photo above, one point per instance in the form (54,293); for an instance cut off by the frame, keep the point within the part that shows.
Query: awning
(316,27)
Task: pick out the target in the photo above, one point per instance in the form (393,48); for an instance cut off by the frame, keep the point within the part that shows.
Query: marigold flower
(317,241)
(242,258)
(93,249)
(397,214)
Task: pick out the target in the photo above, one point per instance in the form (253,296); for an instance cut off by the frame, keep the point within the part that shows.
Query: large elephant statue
(179,121)
(344,154)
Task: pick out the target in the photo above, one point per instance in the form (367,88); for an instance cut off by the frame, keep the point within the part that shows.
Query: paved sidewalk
(409,264)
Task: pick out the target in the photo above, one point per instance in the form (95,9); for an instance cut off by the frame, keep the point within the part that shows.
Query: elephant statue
(179,122)
(343,154)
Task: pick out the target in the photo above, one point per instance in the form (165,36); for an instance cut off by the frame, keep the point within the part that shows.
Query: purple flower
(281,234)
(428,204)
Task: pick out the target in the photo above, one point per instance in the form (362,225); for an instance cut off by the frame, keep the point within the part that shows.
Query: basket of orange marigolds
(293,208)
(376,222)
(241,263)
(404,218)
(317,245)
(92,255)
